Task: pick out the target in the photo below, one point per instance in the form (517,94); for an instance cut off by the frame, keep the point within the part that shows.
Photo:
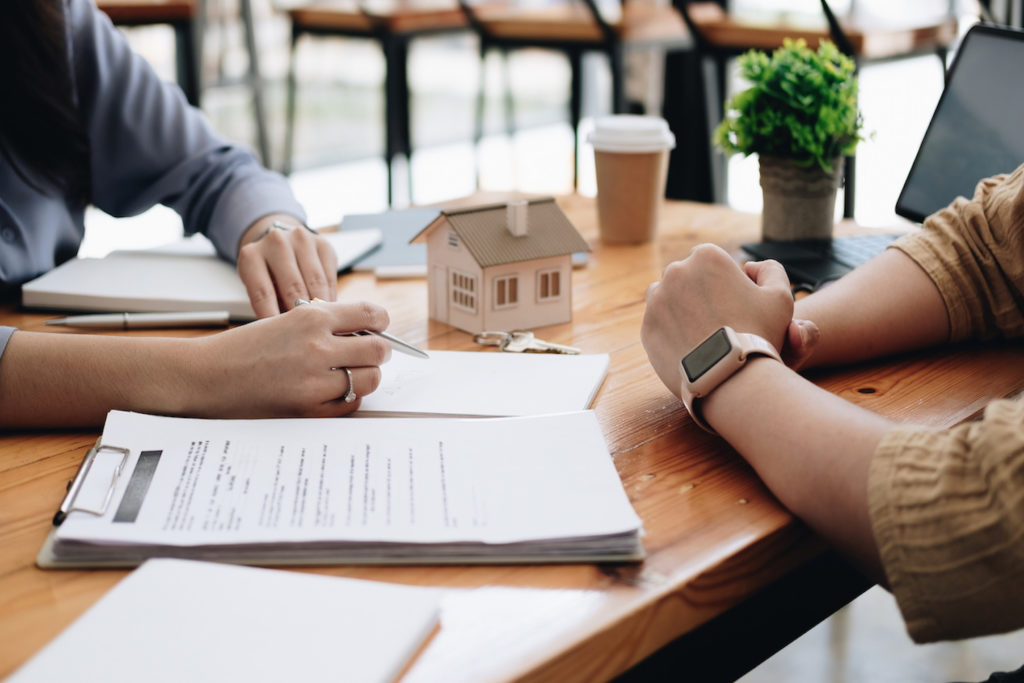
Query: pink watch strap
(748,345)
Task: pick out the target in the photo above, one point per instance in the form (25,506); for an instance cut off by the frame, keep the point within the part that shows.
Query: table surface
(715,536)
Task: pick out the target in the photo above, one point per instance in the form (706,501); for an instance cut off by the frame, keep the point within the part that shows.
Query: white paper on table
(180,620)
(483,383)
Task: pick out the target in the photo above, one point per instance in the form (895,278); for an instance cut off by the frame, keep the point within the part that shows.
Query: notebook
(974,133)
(182,276)
(181,620)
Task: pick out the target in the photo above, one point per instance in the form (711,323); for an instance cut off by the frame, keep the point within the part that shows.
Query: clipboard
(102,489)
(70,502)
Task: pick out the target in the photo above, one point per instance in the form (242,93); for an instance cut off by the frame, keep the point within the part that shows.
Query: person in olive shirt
(83,120)
(937,516)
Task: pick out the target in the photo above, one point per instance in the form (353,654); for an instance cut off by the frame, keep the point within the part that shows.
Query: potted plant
(800,117)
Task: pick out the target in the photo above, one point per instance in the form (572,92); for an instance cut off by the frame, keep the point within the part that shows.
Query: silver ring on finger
(350,395)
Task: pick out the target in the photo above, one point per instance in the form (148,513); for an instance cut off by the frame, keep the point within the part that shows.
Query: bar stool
(393,24)
(574,27)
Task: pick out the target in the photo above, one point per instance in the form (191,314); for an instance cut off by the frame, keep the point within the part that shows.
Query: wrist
(281,221)
(758,383)
(178,377)
(199,377)
(714,361)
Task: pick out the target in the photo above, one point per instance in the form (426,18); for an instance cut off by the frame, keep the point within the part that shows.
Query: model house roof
(484,231)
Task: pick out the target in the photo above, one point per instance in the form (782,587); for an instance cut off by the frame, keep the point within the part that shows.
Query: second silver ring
(350,395)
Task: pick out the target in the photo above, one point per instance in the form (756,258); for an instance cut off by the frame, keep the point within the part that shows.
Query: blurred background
(338,164)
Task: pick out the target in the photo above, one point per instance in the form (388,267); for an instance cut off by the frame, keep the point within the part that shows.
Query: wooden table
(716,538)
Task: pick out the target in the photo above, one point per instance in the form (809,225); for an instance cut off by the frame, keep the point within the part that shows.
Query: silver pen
(127,321)
(396,343)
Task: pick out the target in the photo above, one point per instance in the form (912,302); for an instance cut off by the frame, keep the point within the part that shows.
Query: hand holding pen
(304,363)
(396,343)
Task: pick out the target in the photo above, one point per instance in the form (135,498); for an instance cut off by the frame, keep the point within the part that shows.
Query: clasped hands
(707,290)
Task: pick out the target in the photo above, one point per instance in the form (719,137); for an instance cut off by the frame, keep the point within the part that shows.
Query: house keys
(522,342)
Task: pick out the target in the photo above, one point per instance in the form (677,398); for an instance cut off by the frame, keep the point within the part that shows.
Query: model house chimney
(516,211)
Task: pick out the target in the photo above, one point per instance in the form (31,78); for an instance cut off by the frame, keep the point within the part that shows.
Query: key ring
(492,338)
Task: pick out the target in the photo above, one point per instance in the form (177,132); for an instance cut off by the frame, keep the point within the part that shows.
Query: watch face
(705,356)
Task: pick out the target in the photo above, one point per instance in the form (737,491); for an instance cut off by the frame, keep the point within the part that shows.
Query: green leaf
(801,104)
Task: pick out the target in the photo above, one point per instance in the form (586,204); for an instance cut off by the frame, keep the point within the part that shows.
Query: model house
(501,266)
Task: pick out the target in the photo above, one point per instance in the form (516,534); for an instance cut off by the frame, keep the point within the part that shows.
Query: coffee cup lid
(631,133)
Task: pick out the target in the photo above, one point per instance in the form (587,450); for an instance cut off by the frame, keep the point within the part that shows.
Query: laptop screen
(977,129)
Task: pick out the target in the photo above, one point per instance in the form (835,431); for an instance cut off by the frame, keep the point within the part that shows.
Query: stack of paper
(177,620)
(332,491)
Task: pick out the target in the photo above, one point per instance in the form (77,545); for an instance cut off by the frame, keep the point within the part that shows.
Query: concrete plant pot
(799,201)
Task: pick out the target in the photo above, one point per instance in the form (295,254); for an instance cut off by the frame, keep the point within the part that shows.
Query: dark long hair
(40,126)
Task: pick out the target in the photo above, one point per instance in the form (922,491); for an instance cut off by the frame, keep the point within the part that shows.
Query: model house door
(440,294)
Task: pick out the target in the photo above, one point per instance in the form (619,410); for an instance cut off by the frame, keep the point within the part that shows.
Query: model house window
(506,291)
(464,291)
(549,285)
(453,239)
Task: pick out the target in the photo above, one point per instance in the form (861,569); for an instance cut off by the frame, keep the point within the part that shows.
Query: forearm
(74,380)
(886,306)
(811,448)
(284,366)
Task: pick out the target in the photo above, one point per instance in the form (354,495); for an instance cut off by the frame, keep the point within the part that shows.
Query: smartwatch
(715,360)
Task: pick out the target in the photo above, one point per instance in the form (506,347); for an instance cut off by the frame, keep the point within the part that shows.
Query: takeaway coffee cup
(631,160)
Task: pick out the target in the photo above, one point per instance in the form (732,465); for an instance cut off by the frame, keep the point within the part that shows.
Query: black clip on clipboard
(68,505)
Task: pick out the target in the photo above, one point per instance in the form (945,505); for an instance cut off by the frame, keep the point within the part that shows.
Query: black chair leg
(478,123)
(396,104)
(616,62)
(403,103)
(256,83)
(849,185)
(289,129)
(510,98)
(186,61)
(685,108)
(575,109)
(714,76)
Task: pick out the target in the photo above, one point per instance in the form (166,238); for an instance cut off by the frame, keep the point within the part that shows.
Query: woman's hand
(705,291)
(291,365)
(281,264)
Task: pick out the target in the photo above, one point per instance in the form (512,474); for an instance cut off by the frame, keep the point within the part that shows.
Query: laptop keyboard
(857,249)
(814,262)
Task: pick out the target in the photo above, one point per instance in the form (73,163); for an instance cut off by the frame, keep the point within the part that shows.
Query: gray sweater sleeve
(5,336)
(150,147)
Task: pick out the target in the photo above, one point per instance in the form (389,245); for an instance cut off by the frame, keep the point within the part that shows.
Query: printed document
(540,488)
